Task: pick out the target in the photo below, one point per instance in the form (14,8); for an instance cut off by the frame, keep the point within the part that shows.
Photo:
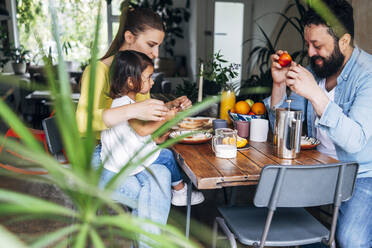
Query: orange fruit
(232,110)
(241,142)
(229,141)
(258,108)
(242,107)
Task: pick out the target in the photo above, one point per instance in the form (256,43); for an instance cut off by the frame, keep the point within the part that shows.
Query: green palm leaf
(7,239)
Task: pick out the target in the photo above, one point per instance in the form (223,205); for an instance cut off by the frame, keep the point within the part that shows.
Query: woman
(140,30)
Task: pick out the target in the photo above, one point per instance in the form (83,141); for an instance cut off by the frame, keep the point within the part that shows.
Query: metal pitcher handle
(295,135)
(298,135)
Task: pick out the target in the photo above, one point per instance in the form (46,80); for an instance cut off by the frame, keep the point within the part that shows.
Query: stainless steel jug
(287,133)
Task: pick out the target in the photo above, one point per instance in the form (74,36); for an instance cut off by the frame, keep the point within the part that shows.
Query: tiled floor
(202,215)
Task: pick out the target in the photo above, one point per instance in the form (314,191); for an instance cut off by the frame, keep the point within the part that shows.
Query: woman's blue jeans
(152,197)
(354,226)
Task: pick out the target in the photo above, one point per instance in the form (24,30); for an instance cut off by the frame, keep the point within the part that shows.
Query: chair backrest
(305,185)
(52,135)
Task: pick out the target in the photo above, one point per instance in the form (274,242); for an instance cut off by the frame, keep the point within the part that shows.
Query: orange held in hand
(242,107)
(258,108)
(285,59)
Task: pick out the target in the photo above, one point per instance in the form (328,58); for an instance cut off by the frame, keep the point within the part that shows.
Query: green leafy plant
(188,89)
(217,70)
(19,55)
(263,52)
(83,226)
(173,18)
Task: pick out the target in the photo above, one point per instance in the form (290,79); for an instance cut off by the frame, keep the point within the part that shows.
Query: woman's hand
(150,110)
(180,103)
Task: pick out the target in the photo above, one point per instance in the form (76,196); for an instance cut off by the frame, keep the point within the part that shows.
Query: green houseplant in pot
(259,83)
(19,58)
(218,75)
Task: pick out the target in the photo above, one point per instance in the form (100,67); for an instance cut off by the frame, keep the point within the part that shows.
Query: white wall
(194,45)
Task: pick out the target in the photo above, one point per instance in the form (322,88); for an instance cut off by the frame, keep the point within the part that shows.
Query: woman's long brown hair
(136,21)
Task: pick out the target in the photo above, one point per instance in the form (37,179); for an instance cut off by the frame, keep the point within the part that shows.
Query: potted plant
(173,18)
(218,74)
(260,81)
(19,58)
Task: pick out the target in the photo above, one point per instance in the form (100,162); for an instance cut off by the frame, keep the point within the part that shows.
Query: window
(77,20)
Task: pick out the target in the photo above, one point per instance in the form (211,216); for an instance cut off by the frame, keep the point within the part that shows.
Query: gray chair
(279,218)
(53,139)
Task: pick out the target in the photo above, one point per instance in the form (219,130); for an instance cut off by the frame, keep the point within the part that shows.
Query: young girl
(131,73)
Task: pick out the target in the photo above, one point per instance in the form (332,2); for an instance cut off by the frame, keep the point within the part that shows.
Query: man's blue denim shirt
(348,119)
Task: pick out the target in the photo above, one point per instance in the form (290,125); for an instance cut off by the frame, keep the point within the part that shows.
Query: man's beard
(330,66)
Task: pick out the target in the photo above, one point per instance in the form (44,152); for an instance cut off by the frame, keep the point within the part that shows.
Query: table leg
(188,215)
(232,197)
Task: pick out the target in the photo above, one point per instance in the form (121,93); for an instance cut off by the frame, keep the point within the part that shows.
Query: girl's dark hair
(342,10)
(127,64)
(136,21)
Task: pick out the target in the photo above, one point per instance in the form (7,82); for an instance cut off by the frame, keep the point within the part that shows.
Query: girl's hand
(162,138)
(171,113)
(150,110)
(180,103)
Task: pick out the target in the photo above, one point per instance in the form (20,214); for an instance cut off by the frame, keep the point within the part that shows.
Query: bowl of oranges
(247,110)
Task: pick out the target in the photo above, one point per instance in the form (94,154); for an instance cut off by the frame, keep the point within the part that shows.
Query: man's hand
(277,71)
(279,75)
(303,83)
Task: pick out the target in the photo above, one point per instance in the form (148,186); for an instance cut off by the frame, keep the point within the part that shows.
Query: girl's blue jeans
(165,158)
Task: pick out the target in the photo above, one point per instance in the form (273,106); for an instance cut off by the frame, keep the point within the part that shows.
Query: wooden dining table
(205,171)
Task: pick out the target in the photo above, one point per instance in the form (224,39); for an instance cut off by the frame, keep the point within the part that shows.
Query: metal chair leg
(230,236)
(215,233)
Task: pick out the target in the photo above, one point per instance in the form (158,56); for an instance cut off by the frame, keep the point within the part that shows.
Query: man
(335,95)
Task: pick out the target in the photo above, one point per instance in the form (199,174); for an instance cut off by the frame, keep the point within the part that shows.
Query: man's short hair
(341,9)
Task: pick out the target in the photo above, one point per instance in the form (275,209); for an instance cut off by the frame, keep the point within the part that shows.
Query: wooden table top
(206,171)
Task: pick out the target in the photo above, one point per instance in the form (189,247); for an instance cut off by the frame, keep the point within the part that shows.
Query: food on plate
(285,59)
(258,108)
(241,142)
(199,120)
(232,110)
(250,102)
(251,113)
(195,123)
(242,107)
(190,124)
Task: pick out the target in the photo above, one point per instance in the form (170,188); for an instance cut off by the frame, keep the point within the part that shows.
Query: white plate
(309,142)
(197,138)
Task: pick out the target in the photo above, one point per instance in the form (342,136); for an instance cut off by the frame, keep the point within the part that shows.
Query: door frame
(205,30)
